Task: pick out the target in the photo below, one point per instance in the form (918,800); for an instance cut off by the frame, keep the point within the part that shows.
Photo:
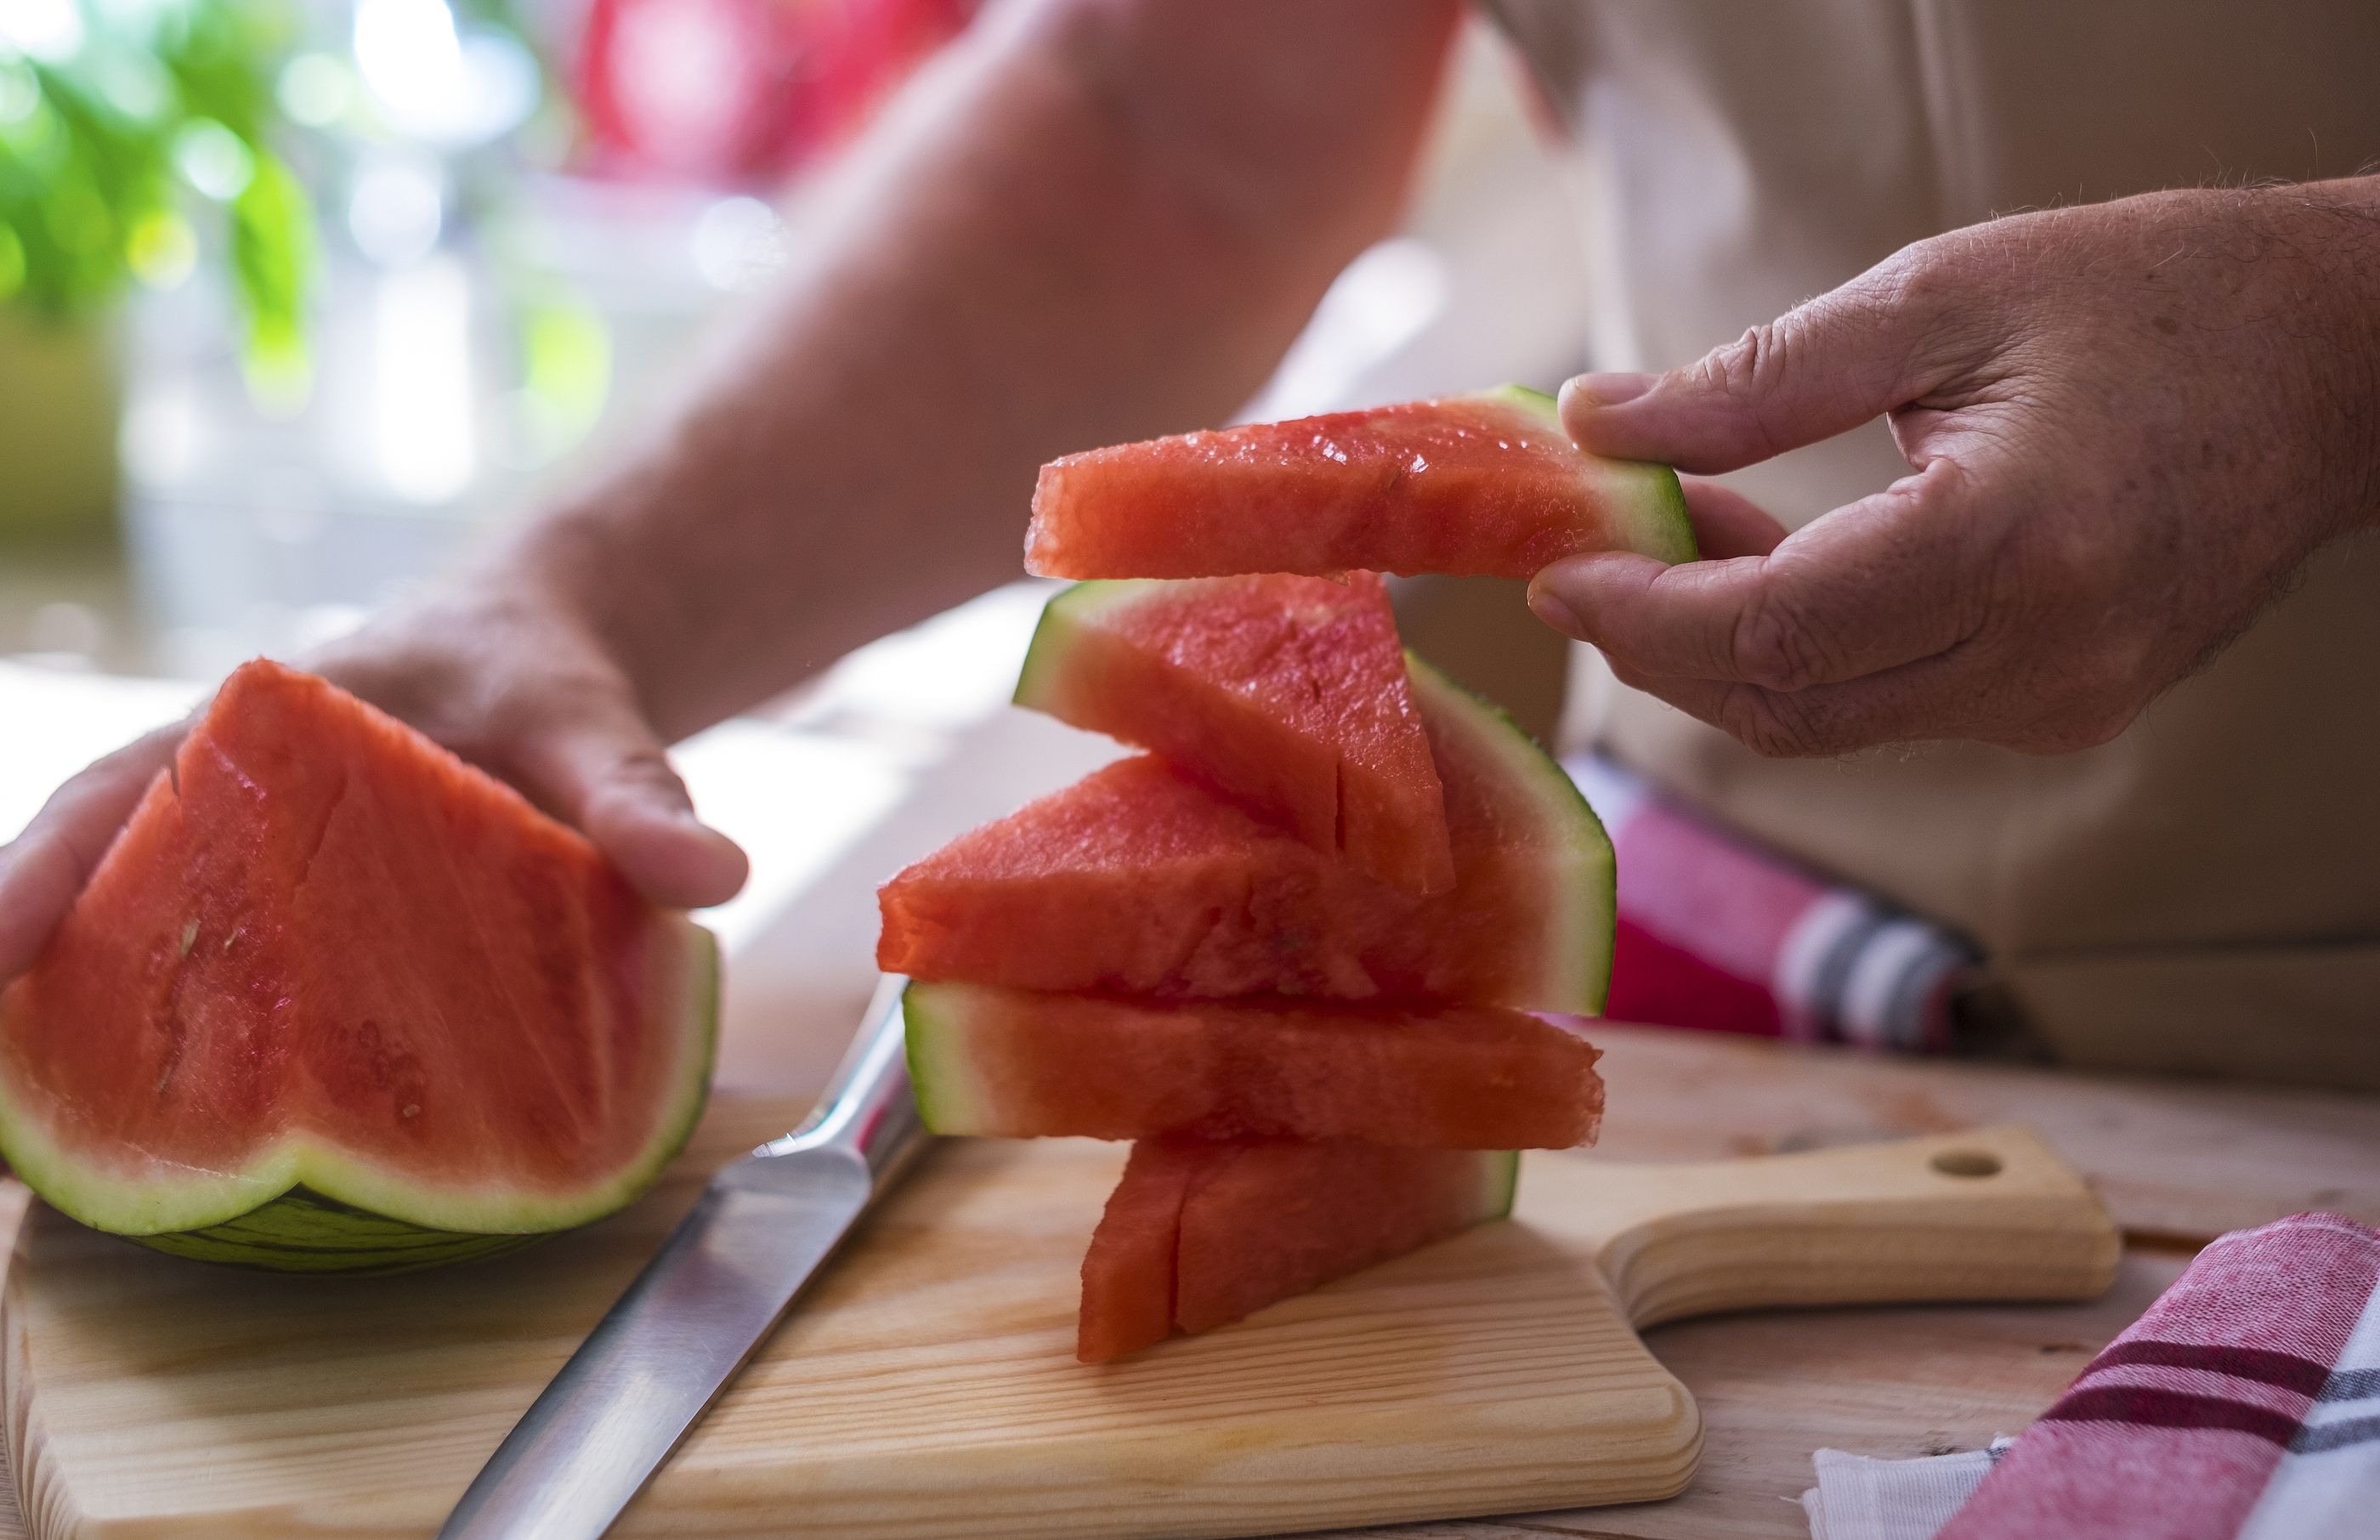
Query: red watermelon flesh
(1287,694)
(327,954)
(1020,1064)
(1487,484)
(1136,881)
(1218,1230)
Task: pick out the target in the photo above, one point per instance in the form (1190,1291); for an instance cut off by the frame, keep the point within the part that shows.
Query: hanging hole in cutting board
(1966,1162)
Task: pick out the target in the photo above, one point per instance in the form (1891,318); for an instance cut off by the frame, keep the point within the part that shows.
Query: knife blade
(712,1293)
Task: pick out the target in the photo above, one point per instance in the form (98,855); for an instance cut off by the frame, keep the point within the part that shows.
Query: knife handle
(868,1107)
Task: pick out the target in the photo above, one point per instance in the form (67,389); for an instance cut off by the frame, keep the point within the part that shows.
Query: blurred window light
(437,83)
(1382,300)
(396,210)
(212,159)
(422,396)
(50,30)
(316,90)
(66,628)
(133,84)
(164,437)
(737,242)
(408,52)
(20,93)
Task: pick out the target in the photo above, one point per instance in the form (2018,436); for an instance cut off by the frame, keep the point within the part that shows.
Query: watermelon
(1199,1233)
(335,1001)
(1018,1064)
(1137,880)
(1484,485)
(1287,694)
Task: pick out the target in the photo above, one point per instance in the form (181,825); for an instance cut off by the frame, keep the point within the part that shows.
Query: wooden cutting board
(927,1386)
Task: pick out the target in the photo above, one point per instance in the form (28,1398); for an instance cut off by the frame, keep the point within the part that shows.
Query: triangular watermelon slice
(1199,1233)
(1022,1064)
(1287,694)
(1137,880)
(1472,485)
(334,1001)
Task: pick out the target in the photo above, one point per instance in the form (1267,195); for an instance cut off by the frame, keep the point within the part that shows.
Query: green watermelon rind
(1040,683)
(948,1099)
(1583,904)
(1584,921)
(302,1208)
(1645,496)
(1500,1184)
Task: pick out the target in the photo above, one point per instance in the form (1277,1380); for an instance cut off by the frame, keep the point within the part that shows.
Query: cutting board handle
(1990,1214)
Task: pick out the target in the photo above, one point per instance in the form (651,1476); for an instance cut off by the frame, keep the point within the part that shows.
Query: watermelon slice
(334,1001)
(1287,694)
(1470,485)
(1136,881)
(1199,1233)
(1018,1064)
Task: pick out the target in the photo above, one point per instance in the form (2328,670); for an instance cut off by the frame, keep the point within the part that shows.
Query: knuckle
(1914,282)
(1776,646)
(646,768)
(1772,725)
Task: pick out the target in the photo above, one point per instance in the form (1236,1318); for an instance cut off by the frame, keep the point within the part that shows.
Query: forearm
(1107,225)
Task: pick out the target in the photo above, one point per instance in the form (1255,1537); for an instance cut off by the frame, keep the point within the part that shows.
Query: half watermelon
(1138,880)
(1019,1064)
(1199,1233)
(1287,694)
(336,1002)
(1484,485)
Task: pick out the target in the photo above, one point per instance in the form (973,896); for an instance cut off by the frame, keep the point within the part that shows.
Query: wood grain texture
(2177,1161)
(927,1388)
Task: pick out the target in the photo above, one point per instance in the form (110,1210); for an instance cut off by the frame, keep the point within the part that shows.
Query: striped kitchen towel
(1715,931)
(2245,1405)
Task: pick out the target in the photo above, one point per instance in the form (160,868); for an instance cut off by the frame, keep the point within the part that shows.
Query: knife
(730,1270)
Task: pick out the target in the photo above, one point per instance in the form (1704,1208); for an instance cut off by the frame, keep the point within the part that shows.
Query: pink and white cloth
(1715,931)
(2245,1405)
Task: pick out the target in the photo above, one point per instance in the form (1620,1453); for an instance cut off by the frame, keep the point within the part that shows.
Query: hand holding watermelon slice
(1483,485)
(334,1001)
(515,683)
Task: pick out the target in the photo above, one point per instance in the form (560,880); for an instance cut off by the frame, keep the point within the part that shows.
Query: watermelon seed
(230,939)
(190,936)
(413,1110)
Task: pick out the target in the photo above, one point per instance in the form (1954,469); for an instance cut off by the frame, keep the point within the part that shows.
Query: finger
(1934,698)
(1882,582)
(1817,370)
(1727,523)
(44,869)
(607,772)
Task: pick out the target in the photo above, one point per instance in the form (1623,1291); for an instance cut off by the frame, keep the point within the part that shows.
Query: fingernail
(1552,608)
(1612,390)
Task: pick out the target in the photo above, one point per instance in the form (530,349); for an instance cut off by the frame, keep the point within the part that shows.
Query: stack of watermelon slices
(1318,953)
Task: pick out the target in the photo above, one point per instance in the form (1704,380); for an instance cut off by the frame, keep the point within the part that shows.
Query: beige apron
(2204,893)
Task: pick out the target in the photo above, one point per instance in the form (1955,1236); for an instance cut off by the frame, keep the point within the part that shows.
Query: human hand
(2128,424)
(509,680)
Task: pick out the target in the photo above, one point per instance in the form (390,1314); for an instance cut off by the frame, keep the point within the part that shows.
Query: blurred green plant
(122,120)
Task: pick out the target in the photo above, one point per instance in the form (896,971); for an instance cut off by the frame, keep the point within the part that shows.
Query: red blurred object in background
(741,92)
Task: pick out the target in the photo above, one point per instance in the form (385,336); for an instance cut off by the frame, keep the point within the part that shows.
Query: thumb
(43,868)
(605,770)
(1819,370)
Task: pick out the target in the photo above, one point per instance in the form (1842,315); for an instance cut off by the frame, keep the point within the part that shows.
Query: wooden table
(2177,1164)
